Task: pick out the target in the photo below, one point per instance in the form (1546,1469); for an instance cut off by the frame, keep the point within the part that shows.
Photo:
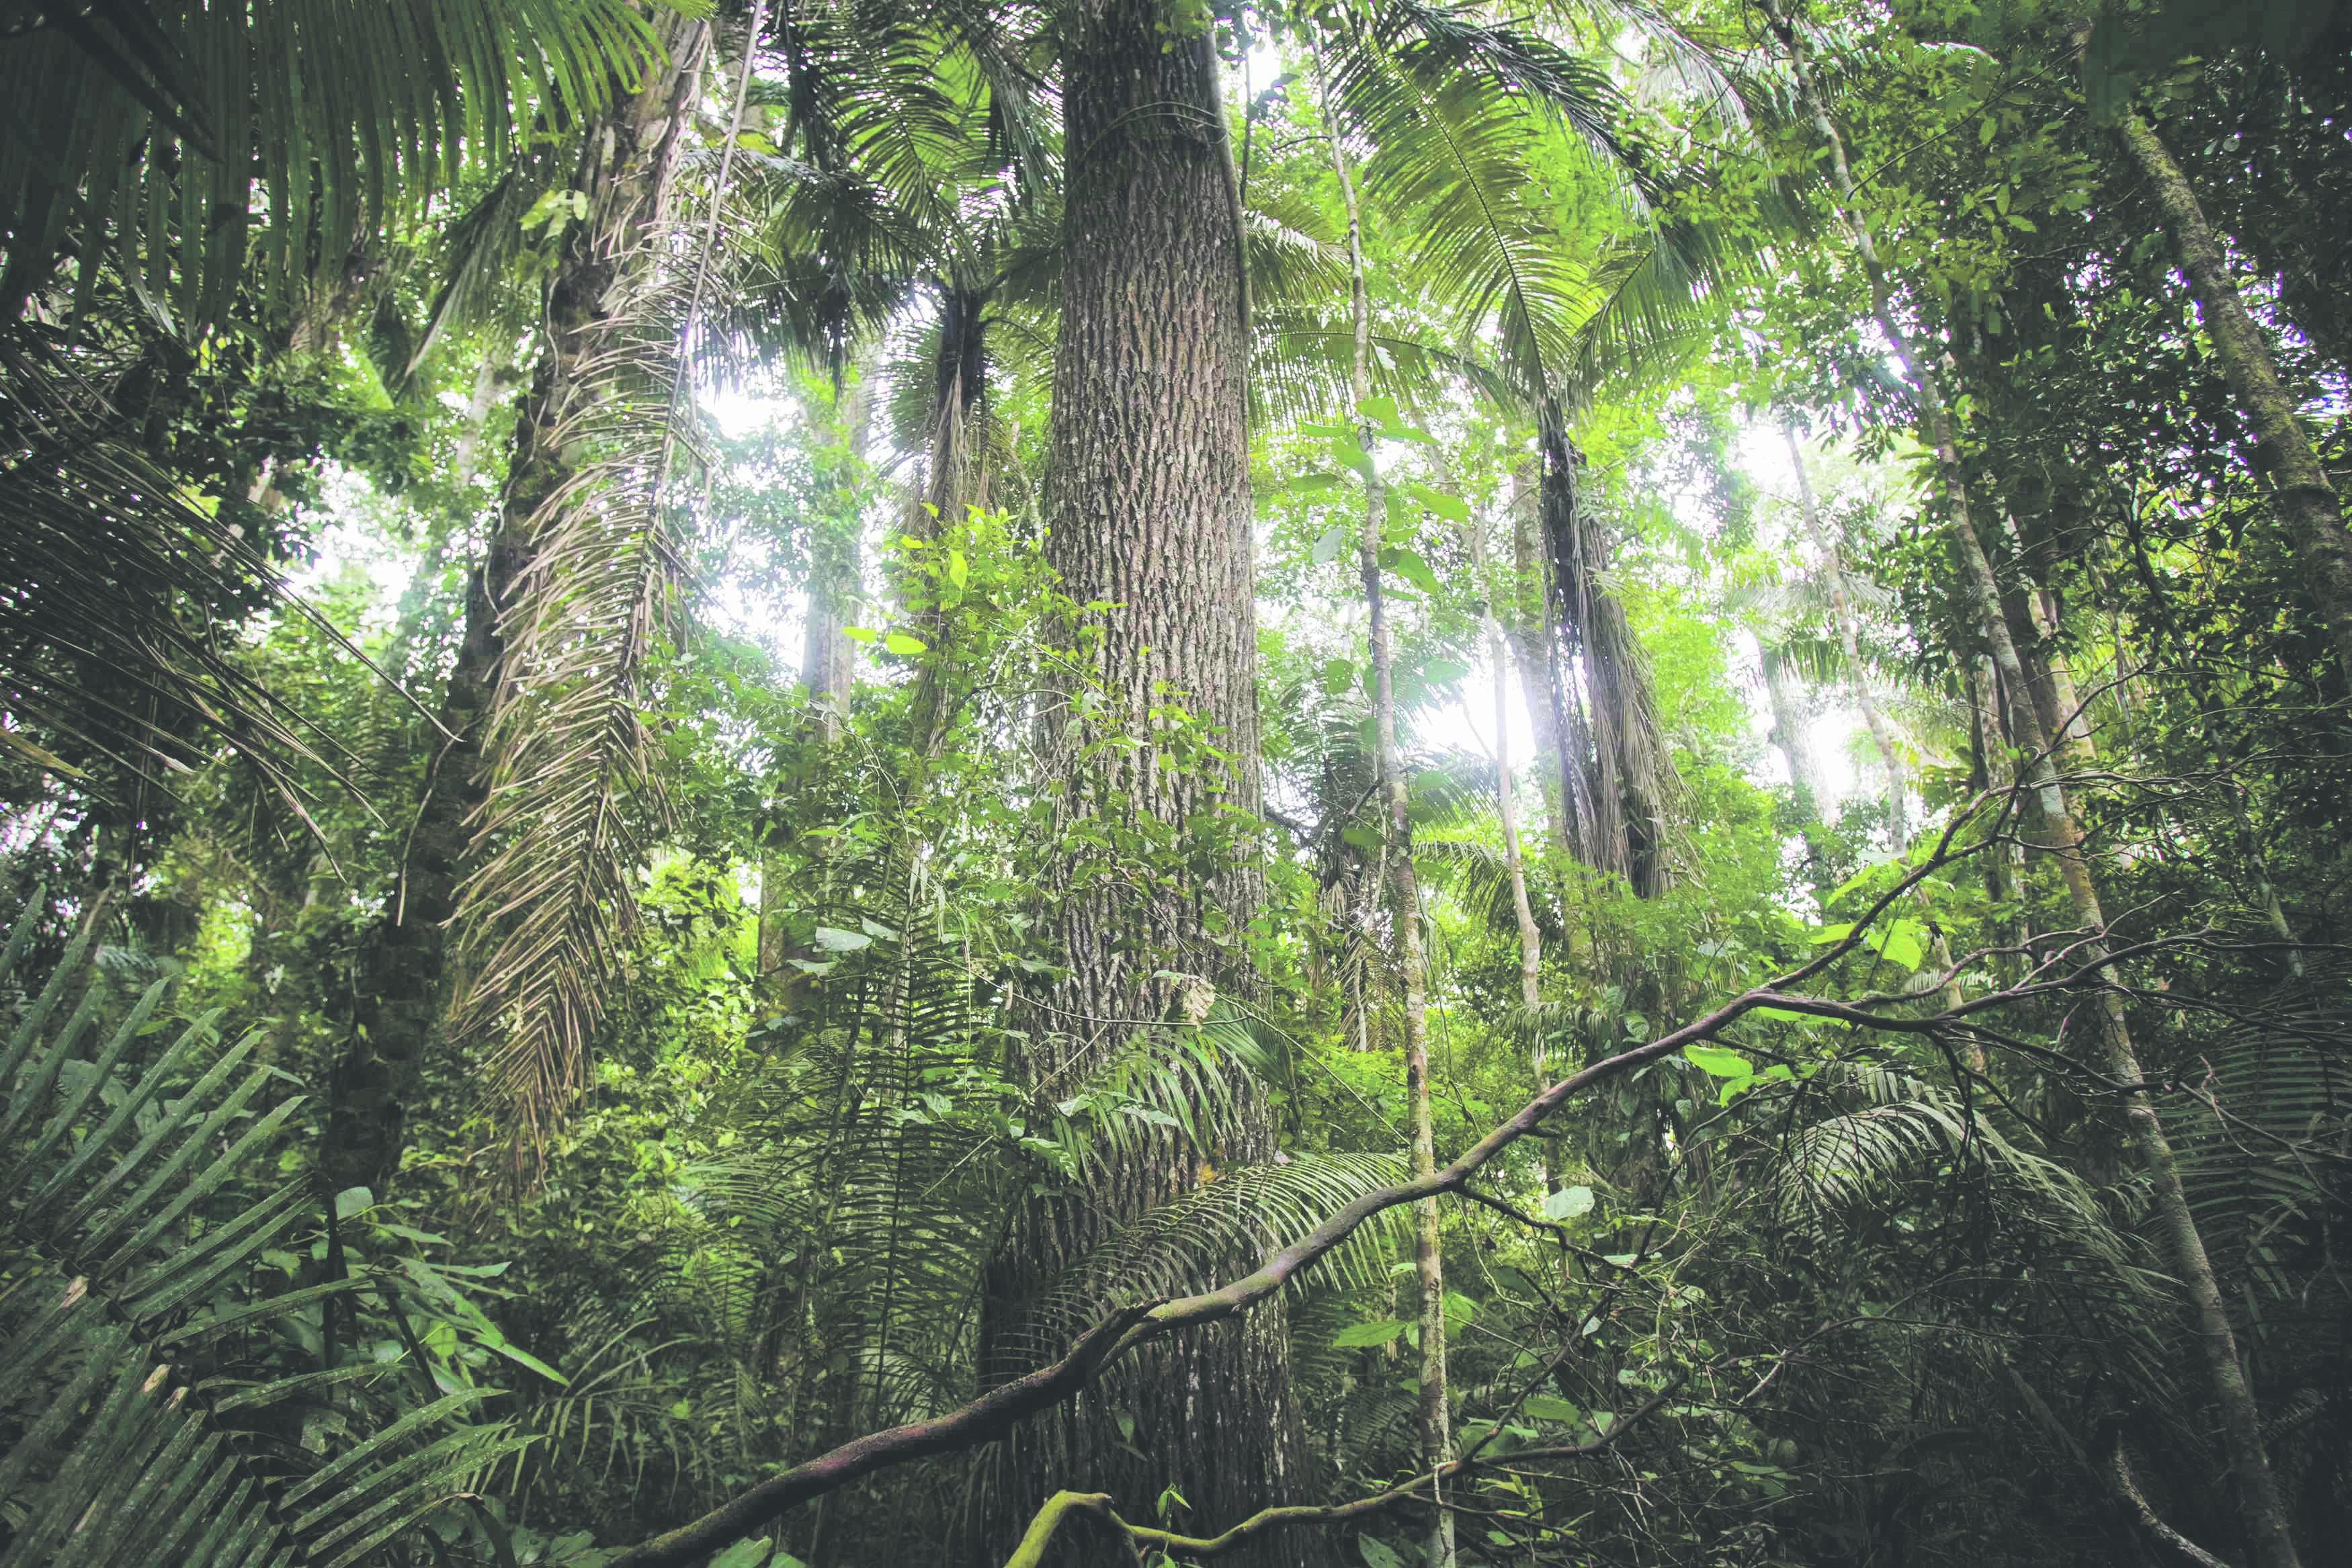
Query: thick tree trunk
(1404,914)
(1615,768)
(2262,1510)
(2308,504)
(1148,488)
(400,980)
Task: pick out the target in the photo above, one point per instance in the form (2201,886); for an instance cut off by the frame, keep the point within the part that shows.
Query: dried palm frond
(576,795)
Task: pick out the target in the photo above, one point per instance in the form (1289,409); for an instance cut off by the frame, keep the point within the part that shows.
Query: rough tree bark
(1150,512)
(1404,914)
(2262,1510)
(399,982)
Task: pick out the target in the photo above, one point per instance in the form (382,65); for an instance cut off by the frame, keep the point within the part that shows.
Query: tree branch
(995,1412)
(1061,1505)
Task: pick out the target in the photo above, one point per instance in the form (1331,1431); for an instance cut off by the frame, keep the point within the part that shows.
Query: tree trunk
(1506,806)
(400,983)
(2312,510)
(1404,916)
(1507,800)
(955,481)
(828,659)
(955,474)
(1784,690)
(2006,860)
(2262,1510)
(1148,492)
(836,552)
(1615,768)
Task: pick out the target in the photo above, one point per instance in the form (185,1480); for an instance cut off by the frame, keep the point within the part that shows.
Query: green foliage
(158,1404)
(1889,1284)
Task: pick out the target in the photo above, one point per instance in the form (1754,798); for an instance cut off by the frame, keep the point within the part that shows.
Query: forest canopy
(830,783)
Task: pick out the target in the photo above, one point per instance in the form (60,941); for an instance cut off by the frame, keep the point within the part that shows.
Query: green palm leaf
(142,128)
(126,1409)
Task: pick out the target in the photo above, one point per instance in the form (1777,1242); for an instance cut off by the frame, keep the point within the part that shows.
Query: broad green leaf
(1334,540)
(1714,1059)
(900,643)
(748,1554)
(1378,1332)
(1452,508)
(1899,944)
(835,940)
(1550,1408)
(1408,564)
(1569,1203)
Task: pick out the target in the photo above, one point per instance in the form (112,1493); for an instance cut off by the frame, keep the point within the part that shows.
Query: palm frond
(141,129)
(1232,1216)
(111,561)
(136,1359)
(576,795)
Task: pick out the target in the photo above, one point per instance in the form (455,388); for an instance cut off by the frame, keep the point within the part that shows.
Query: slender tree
(625,162)
(2308,502)
(1404,911)
(2260,1504)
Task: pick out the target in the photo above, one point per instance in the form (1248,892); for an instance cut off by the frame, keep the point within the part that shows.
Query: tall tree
(1150,513)
(1396,820)
(2260,1504)
(2308,504)
(625,162)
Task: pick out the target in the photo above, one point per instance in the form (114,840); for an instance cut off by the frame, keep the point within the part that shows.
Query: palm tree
(543,751)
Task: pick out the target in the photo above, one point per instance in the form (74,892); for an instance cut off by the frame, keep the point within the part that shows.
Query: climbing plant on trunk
(1149,514)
